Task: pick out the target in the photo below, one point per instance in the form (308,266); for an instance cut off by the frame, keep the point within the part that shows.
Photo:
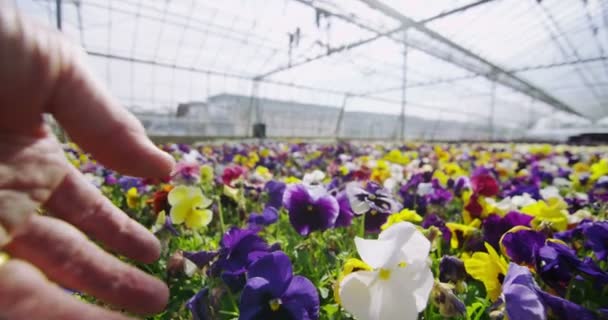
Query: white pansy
(515,202)
(579,216)
(395,179)
(353,191)
(315,177)
(399,285)
(550,192)
(424,188)
(193,156)
(562,182)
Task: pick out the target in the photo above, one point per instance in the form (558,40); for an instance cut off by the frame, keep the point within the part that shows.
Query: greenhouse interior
(361,159)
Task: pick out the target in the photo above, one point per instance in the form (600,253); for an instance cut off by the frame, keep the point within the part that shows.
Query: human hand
(40,72)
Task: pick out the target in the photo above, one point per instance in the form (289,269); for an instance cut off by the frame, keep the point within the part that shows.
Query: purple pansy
(596,238)
(521,295)
(525,300)
(273,292)
(434,220)
(522,245)
(267,217)
(200,258)
(238,249)
(275,190)
(557,264)
(310,208)
(451,269)
(562,309)
(375,202)
(127,182)
(346,214)
(199,305)
(494,226)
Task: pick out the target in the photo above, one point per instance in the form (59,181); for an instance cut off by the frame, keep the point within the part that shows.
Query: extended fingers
(43,72)
(78,202)
(70,259)
(26,294)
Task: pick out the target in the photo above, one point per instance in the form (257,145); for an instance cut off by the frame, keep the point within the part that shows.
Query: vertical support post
(253,101)
(531,113)
(492,107)
(341,116)
(403,87)
(58,4)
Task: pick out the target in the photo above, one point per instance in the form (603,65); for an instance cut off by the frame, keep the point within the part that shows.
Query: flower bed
(343,231)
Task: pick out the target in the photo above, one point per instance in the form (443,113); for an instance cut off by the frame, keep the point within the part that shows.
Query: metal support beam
(253,107)
(58,12)
(436,45)
(359,43)
(341,116)
(492,109)
(403,86)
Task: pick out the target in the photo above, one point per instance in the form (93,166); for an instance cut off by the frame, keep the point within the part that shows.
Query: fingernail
(4,238)
(3,258)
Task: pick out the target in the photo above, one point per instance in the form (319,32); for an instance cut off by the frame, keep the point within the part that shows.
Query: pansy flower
(199,305)
(238,249)
(268,216)
(489,268)
(374,202)
(189,206)
(521,244)
(310,208)
(525,300)
(186,172)
(231,174)
(494,226)
(273,292)
(346,214)
(596,238)
(275,190)
(400,282)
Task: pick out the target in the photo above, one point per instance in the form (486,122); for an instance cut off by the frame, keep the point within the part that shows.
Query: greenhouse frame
(484,69)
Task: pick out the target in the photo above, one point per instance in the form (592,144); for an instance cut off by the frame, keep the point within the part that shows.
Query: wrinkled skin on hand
(40,72)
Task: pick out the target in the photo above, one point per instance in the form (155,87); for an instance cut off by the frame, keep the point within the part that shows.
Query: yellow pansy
(207,150)
(396,156)
(232,193)
(132,198)
(441,177)
(189,206)
(543,150)
(381,172)
(553,212)
(580,167)
(161,219)
(599,169)
(252,159)
(465,229)
(263,172)
(404,215)
(292,180)
(343,170)
(447,171)
(206,172)
(487,268)
(264,153)
(441,154)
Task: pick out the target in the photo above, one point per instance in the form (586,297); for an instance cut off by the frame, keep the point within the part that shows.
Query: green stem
(362,230)
(220,212)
